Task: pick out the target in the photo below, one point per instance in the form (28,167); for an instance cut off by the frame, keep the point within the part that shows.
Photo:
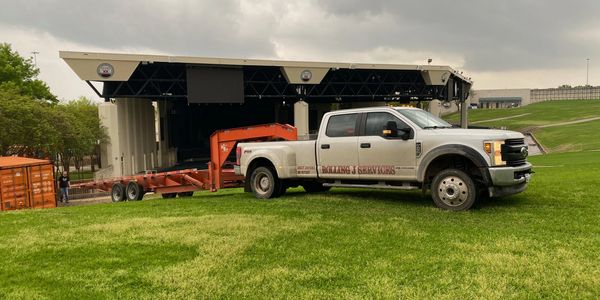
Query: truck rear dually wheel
(453,189)
(315,187)
(264,183)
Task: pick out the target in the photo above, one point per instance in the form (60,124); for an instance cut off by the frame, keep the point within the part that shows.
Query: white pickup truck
(394,148)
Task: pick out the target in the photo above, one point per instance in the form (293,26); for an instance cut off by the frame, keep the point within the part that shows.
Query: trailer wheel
(117,193)
(453,190)
(185,194)
(135,191)
(315,187)
(264,183)
(169,195)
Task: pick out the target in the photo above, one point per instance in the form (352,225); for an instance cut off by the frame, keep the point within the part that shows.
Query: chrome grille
(512,152)
(514,142)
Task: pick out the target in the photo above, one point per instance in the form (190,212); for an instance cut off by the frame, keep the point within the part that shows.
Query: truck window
(341,125)
(424,119)
(376,123)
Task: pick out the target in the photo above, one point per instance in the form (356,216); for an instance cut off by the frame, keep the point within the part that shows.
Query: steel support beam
(168,81)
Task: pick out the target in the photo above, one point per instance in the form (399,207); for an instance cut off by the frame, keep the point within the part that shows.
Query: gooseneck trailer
(185,182)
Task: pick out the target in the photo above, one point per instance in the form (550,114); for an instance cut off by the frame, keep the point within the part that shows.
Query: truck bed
(301,156)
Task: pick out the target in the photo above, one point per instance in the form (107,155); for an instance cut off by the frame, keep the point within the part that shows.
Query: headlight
(494,150)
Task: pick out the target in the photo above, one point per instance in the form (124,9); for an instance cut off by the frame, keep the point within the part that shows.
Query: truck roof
(369,109)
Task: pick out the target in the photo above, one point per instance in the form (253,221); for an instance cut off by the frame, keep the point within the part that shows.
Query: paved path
(534,149)
(498,119)
(570,122)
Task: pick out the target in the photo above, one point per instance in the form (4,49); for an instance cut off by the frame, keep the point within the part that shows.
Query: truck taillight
(238,155)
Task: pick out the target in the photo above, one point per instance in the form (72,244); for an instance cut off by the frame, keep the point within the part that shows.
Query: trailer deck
(185,182)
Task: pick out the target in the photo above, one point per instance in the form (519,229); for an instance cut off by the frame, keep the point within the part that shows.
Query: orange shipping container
(26,183)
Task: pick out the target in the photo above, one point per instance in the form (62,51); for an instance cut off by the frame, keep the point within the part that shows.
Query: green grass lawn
(544,243)
(79,175)
(574,137)
(542,113)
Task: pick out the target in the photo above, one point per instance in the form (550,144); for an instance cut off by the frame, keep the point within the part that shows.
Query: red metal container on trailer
(26,183)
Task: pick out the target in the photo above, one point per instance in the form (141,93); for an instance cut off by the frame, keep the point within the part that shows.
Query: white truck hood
(484,134)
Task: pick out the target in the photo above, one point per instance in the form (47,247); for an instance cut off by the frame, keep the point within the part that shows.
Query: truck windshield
(424,119)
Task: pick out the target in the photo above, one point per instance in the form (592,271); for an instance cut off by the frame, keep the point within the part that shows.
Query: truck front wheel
(264,183)
(453,190)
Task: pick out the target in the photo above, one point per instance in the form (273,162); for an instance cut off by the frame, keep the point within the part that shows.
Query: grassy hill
(574,137)
(352,244)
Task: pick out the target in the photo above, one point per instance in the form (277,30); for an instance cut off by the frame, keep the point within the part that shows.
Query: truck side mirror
(391,129)
(405,133)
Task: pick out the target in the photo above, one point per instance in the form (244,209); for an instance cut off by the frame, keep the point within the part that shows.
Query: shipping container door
(13,186)
(41,180)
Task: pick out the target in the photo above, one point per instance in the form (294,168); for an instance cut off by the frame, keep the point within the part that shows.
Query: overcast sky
(500,44)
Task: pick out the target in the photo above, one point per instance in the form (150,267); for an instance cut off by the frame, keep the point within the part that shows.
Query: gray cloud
(495,35)
(508,37)
(186,27)
(492,35)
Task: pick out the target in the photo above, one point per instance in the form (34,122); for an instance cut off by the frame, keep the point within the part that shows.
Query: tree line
(33,123)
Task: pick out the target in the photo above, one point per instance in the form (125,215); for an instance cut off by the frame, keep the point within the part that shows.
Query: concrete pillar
(131,132)
(435,107)
(124,145)
(301,119)
(166,153)
(111,155)
(464,110)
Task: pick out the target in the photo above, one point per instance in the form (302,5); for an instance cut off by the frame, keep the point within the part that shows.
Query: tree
(34,124)
(27,125)
(81,131)
(20,74)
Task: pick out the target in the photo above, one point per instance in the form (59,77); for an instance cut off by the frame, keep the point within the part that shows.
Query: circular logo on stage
(306,75)
(105,70)
(445,76)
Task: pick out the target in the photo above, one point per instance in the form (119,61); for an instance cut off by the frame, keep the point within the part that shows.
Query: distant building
(566,93)
(506,98)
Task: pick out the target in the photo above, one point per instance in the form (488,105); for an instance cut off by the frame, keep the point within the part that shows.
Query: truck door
(381,156)
(337,148)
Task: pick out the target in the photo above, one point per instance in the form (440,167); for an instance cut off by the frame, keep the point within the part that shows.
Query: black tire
(264,183)
(315,187)
(282,189)
(453,189)
(134,191)
(185,194)
(169,195)
(117,193)
(482,193)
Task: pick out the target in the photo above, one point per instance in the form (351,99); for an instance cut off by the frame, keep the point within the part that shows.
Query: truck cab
(392,148)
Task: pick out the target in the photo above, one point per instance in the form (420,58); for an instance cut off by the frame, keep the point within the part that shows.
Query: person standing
(64,183)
